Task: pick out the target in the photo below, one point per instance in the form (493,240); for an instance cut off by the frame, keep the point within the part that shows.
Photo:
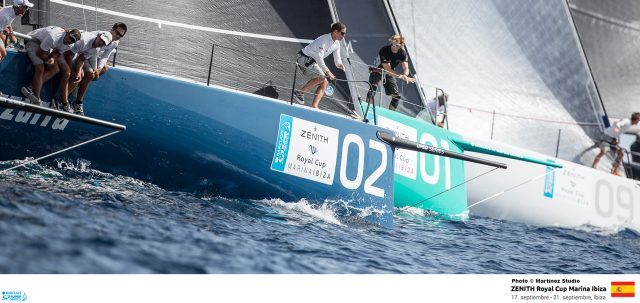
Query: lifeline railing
(296,69)
(344,104)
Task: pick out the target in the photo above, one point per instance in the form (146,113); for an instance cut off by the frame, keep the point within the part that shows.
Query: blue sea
(68,218)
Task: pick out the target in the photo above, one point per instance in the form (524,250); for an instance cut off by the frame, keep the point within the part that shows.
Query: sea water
(68,218)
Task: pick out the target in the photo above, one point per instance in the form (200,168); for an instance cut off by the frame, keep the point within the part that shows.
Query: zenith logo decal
(313,149)
(20,116)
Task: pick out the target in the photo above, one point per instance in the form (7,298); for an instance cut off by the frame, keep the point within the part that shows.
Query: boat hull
(186,136)
(425,181)
(572,196)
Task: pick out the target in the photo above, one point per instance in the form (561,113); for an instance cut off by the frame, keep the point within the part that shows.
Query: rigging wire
(60,151)
(96,15)
(511,188)
(84,16)
(459,184)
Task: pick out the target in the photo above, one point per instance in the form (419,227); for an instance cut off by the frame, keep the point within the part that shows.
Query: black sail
(610,34)
(370,25)
(257,40)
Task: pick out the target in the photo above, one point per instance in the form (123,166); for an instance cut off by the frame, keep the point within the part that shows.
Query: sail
(610,34)
(256,40)
(520,59)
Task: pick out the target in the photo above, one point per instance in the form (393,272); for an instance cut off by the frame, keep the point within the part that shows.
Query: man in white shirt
(7,15)
(97,66)
(613,133)
(44,49)
(435,110)
(85,49)
(311,61)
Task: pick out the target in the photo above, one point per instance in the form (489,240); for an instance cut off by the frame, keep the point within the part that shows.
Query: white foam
(323,211)
(419,212)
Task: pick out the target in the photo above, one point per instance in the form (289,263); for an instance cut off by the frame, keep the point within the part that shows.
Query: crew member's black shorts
(607,143)
(390,84)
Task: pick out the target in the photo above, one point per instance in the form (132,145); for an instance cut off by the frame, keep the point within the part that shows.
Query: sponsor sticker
(13,296)
(405,161)
(549,181)
(306,149)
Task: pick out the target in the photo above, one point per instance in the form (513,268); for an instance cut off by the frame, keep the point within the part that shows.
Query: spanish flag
(623,289)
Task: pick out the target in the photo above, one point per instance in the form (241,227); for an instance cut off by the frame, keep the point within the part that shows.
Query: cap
(23,2)
(106,37)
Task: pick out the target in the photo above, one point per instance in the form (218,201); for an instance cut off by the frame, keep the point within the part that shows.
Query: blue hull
(209,140)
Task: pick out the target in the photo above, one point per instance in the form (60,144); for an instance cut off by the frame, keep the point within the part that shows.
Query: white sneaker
(298,96)
(65,108)
(27,91)
(77,109)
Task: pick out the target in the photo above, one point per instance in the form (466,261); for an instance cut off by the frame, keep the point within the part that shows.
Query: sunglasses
(343,33)
(119,34)
(396,45)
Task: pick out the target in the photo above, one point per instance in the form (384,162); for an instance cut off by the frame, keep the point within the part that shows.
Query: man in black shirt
(390,56)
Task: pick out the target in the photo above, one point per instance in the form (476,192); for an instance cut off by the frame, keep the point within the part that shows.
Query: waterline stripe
(161,22)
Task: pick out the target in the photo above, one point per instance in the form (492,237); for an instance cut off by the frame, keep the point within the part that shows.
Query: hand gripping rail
(398,142)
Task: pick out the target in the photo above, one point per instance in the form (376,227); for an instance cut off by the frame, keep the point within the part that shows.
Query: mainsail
(520,59)
(610,34)
(258,39)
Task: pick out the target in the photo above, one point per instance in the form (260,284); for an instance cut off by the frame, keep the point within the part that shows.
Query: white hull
(573,196)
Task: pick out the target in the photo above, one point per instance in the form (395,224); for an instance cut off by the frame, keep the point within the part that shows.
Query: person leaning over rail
(85,60)
(613,133)
(7,15)
(435,110)
(98,65)
(389,57)
(311,61)
(44,48)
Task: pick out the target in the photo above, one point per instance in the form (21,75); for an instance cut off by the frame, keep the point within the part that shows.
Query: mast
(605,118)
(354,96)
(396,29)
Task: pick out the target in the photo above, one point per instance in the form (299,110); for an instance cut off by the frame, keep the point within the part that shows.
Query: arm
(405,73)
(68,56)
(104,57)
(318,56)
(337,59)
(390,71)
(76,73)
(93,63)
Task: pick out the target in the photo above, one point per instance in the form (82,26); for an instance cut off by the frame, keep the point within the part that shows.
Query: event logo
(313,149)
(549,181)
(623,289)
(306,149)
(14,296)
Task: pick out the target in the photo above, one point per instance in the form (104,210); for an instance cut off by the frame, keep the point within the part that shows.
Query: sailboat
(532,71)
(187,135)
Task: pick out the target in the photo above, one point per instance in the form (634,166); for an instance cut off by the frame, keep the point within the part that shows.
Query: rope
(511,188)
(60,151)
(446,190)
(85,17)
